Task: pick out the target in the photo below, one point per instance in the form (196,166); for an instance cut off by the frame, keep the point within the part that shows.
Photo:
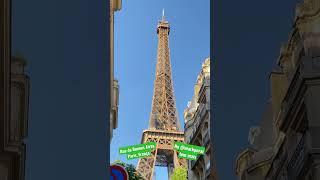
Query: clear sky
(135,61)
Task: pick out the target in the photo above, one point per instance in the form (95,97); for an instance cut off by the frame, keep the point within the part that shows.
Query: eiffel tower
(164,126)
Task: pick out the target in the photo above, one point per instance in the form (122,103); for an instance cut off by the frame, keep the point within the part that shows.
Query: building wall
(197,125)
(4,172)
(295,97)
(12,153)
(14,93)
(115,5)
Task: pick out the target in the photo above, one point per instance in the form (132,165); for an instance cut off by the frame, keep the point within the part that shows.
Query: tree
(179,173)
(133,174)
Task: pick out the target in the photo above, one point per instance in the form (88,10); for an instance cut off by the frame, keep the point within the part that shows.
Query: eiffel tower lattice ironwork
(164,126)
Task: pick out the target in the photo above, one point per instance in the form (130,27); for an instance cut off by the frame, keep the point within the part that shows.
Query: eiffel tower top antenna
(163,14)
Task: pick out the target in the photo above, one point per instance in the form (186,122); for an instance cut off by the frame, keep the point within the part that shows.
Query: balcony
(298,158)
(304,74)
(115,103)
(203,91)
(19,103)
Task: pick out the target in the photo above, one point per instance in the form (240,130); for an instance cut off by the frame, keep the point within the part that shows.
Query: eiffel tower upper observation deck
(164,126)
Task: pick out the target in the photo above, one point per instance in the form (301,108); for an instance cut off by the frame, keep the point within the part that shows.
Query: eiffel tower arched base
(164,155)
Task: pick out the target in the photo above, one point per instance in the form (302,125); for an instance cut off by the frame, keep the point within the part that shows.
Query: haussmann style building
(14,127)
(115,5)
(197,126)
(286,145)
(14,103)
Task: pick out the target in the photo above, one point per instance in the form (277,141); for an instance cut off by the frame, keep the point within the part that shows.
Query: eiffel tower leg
(176,163)
(183,162)
(179,162)
(146,166)
(170,171)
(175,160)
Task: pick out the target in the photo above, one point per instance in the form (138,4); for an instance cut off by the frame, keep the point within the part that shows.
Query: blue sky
(135,60)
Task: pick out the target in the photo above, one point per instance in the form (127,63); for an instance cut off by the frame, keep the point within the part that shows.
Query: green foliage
(133,175)
(179,173)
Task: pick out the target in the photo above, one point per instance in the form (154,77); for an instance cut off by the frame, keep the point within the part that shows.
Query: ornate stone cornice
(260,158)
(190,111)
(284,52)
(116,5)
(294,40)
(242,160)
(193,105)
(307,22)
(308,9)
(285,58)
(206,68)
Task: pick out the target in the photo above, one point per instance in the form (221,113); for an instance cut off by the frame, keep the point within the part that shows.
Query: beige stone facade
(115,5)
(13,149)
(286,146)
(197,126)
